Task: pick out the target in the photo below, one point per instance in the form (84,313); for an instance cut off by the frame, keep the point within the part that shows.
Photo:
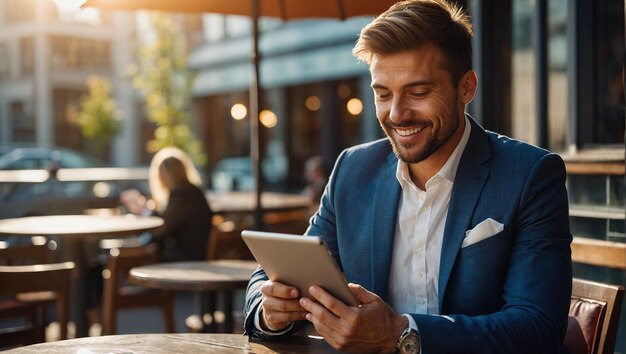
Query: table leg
(207,306)
(227,298)
(78,287)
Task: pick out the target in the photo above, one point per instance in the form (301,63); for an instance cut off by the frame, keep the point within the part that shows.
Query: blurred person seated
(316,175)
(177,198)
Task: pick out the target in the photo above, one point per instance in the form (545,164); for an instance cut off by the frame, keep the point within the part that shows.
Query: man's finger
(329,334)
(331,303)
(279,290)
(278,320)
(281,305)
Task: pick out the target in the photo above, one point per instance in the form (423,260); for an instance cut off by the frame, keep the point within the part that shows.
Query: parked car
(232,174)
(235,173)
(23,193)
(29,158)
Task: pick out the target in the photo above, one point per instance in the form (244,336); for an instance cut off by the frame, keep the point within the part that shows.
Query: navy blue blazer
(508,293)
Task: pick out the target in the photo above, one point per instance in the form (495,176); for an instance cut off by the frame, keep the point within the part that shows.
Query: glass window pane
(523,123)
(608,123)
(557,74)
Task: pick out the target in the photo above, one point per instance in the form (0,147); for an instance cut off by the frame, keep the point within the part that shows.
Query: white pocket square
(484,230)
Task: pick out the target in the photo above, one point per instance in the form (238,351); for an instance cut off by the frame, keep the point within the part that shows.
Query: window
(4,62)
(66,104)
(23,122)
(523,125)
(606,126)
(27,56)
(19,10)
(68,52)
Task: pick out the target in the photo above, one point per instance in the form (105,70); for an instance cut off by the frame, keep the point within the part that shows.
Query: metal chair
(53,277)
(593,317)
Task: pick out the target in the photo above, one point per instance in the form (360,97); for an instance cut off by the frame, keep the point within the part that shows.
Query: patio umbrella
(285,9)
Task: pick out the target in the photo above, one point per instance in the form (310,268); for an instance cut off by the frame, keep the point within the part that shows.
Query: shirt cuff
(257,324)
(413,325)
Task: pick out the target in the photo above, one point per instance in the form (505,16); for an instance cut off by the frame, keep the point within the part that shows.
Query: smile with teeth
(408,132)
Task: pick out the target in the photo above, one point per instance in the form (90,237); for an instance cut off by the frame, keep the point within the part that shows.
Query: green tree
(97,118)
(165,82)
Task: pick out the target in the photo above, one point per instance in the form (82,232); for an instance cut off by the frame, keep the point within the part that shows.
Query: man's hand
(280,306)
(372,327)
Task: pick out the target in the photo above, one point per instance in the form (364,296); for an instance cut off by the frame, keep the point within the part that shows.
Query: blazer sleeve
(537,288)
(323,223)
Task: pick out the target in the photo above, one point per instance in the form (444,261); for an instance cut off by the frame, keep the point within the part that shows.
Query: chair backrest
(287,222)
(593,317)
(225,242)
(53,277)
(121,260)
(118,294)
(25,254)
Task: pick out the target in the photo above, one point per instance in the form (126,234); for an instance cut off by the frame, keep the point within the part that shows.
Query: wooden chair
(225,242)
(288,222)
(26,254)
(118,294)
(593,317)
(53,277)
(29,254)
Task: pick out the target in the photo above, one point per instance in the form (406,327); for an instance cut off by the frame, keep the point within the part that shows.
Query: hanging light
(268,118)
(313,103)
(238,111)
(354,106)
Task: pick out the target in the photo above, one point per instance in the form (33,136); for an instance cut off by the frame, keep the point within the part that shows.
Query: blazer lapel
(384,215)
(468,183)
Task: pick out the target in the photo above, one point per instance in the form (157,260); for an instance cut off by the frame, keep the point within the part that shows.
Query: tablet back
(300,261)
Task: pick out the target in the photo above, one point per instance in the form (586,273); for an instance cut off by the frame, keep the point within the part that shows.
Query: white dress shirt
(414,275)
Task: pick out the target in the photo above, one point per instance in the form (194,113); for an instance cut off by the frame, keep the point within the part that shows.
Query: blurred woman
(177,198)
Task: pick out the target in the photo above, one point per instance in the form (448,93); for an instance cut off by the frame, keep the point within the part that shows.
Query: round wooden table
(179,343)
(73,230)
(221,276)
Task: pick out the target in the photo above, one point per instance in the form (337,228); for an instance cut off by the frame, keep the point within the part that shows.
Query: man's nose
(398,110)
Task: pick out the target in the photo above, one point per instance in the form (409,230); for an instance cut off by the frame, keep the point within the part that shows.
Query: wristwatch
(409,342)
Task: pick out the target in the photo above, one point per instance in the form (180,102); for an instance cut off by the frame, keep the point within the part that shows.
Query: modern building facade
(47,50)
(46,54)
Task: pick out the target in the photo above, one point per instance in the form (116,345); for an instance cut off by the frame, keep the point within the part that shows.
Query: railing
(65,191)
(595,185)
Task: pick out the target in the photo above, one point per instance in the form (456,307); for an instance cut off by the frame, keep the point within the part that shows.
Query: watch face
(410,344)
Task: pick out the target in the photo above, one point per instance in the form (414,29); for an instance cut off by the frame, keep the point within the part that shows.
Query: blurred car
(235,173)
(30,158)
(22,193)
(232,174)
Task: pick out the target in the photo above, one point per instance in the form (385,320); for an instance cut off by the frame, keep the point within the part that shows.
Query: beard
(409,152)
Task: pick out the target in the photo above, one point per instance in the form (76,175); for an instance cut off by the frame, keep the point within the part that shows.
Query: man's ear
(467,86)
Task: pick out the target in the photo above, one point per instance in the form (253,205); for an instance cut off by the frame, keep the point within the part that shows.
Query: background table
(222,276)
(245,202)
(73,230)
(179,343)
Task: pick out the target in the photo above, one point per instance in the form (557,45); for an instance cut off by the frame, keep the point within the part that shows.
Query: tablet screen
(300,261)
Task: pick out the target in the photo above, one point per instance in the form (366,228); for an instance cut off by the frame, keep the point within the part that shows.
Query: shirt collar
(448,170)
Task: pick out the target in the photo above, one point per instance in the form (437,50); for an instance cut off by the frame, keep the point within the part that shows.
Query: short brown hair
(412,23)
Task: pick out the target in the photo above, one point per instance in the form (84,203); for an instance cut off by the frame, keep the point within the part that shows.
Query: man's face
(417,104)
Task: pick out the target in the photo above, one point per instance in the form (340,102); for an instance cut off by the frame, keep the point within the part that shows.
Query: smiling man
(455,239)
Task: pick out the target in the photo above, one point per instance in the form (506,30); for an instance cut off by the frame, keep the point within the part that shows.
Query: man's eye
(419,94)
(382,96)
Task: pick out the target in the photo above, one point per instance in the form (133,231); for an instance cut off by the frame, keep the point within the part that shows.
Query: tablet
(300,261)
